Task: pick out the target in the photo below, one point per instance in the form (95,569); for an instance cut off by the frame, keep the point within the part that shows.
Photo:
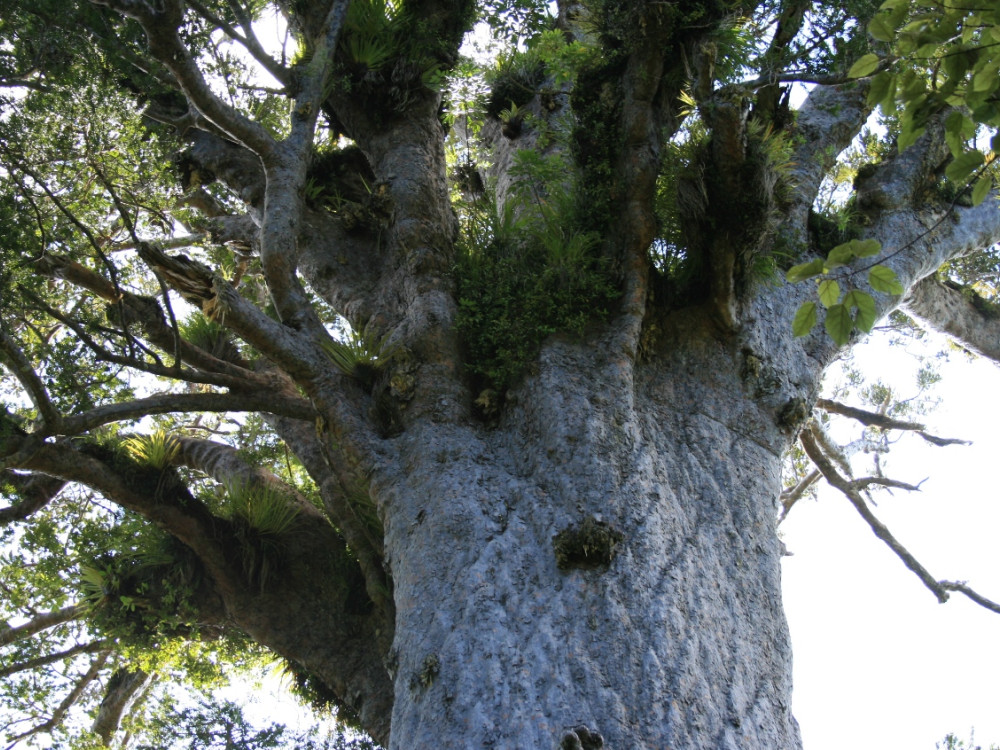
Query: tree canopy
(273,273)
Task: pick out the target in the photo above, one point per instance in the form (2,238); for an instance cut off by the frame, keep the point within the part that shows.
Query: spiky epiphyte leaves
(360,355)
(261,515)
(370,30)
(157,450)
(209,335)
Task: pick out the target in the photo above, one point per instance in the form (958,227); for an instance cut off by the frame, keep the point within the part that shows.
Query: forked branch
(852,491)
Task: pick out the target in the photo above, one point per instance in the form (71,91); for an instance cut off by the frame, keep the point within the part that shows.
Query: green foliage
(370,31)
(360,354)
(524,276)
(513,80)
(157,450)
(854,310)
(944,56)
(952,742)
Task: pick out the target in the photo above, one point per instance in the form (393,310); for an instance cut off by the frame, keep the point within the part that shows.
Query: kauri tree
(463,383)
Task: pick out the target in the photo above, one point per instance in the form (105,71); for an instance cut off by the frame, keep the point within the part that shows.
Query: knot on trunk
(589,545)
(582,738)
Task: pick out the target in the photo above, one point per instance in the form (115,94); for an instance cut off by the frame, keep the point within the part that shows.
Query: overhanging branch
(957,312)
(296,408)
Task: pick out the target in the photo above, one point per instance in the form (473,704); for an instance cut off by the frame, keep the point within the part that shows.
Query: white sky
(878,662)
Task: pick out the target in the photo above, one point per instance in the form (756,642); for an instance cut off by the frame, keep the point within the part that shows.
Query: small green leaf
(865,305)
(864,66)
(881,88)
(961,167)
(829,292)
(883,279)
(805,319)
(881,28)
(805,270)
(982,189)
(846,252)
(839,324)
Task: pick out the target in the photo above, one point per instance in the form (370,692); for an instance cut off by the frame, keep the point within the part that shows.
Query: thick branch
(35,490)
(955,312)
(168,503)
(42,622)
(14,358)
(361,531)
(825,125)
(119,695)
(224,464)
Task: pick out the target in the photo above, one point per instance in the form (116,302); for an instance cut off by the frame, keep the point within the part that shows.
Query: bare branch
(14,358)
(812,448)
(977,598)
(865,482)
(874,419)
(851,491)
(41,622)
(792,495)
(166,403)
(248,40)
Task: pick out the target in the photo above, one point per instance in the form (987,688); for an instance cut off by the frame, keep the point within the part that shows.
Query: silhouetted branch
(874,419)
(850,489)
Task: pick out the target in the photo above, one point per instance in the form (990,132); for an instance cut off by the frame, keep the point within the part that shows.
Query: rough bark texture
(679,642)
(598,565)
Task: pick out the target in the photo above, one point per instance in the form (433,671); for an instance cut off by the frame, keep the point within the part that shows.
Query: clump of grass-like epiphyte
(209,335)
(261,515)
(360,355)
(157,450)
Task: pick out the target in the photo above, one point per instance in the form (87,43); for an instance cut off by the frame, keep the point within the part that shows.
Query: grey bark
(600,568)
(120,693)
(679,642)
(955,311)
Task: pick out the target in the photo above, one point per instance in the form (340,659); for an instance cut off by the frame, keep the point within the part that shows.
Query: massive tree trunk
(606,559)
(595,563)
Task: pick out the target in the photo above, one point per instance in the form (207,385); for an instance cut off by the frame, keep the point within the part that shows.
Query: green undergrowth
(526,270)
